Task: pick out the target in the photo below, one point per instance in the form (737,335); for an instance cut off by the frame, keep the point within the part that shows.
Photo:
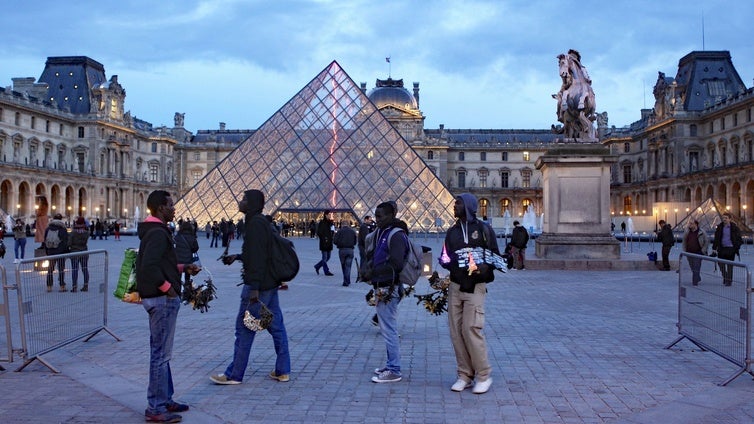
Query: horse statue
(576,105)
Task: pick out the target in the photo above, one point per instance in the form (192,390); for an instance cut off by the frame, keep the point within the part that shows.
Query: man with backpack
(56,243)
(345,240)
(388,259)
(467,293)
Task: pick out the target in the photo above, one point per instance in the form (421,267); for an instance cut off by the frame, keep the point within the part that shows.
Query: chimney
(364,87)
(416,93)
(222,126)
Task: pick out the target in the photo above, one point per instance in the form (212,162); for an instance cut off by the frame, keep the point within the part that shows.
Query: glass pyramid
(709,214)
(328,148)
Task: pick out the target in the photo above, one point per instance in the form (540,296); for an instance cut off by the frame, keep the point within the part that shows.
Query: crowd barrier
(50,317)
(714,308)
(5,313)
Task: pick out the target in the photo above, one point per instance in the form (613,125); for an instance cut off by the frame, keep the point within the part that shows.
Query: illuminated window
(483,206)
(505,205)
(153,172)
(525,204)
(526,178)
(526,156)
(483,173)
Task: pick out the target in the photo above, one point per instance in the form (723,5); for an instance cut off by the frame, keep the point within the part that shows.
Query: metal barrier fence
(714,308)
(5,313)
(51,314)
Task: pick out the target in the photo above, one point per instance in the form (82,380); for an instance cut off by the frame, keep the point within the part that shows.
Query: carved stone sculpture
(576,104)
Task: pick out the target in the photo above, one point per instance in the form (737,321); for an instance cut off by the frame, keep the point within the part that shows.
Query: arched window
(430,155)
(483,207)
(505,205)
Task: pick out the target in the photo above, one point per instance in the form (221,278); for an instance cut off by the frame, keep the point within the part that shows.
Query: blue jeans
(323,263)
(387,314)
(245,337)
(346,258)
(163,313)
(19,244)
(84,262)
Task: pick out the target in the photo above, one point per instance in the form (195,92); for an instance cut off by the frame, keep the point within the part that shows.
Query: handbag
(257,324)
(126,289)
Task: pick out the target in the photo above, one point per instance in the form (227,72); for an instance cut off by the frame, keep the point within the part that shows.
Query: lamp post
(676,217)
(744,217)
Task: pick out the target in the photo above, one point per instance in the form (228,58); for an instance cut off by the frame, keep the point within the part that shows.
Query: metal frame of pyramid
(327,148)
(709,215)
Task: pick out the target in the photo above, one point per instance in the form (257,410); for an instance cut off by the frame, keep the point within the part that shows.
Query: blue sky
(480,64)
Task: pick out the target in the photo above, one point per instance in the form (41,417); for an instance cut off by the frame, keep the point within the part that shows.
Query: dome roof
(390,92)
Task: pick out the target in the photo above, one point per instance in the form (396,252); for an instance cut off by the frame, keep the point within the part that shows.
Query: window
(483,173)
(526,178)
(33,122)
(461,156)
(483,156)
(526,156)
(693,161)
(711,127)
(80,161)
(505,205)
(735,119)
(430,155)
(483,206)
(47,126)
(504,179)
(712,158)
(723,155)
(81,132)
(60,129)
(461,179)
(736,157)
(716,88)
(525,205)
(722,123)
(196,175)
(692,130)
(154,147)
(504,156)
(626,147)
(153,171)
(17,121)
(748,115)
(1,114)
(197,155)
(627,174)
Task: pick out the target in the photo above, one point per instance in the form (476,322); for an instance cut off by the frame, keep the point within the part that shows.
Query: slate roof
(708,77)
(70,79)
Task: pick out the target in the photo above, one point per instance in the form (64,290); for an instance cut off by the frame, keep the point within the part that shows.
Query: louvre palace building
(69,137)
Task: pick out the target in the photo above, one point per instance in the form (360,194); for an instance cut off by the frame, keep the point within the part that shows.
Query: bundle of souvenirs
(199,296)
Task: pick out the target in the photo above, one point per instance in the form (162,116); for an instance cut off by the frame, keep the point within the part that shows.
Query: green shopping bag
(127,278)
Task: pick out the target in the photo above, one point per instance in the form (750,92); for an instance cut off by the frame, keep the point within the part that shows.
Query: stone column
(576,199)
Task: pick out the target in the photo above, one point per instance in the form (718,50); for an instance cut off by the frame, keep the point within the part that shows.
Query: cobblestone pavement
(566,347)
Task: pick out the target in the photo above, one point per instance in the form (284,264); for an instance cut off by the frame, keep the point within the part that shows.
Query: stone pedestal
(576,193)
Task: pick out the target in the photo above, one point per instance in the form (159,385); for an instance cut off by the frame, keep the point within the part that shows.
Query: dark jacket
(59,226)
(79,238)
(364,229)
(735,237)
(255,250)
(479,234)
(385,271)
(324,232)
(665,235)
(519,237)
(156,262)
(185,246)
(345,238)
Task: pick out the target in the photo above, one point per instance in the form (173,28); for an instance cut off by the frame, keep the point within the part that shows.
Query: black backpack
(283,262)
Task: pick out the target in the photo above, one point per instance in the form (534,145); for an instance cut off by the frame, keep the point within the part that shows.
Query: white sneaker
(15,261)
(482,386)
(460,385)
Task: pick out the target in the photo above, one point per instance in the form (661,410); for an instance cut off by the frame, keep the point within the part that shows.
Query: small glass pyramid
(328,148)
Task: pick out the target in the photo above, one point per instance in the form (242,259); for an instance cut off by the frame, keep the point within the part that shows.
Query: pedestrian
(42,220)
(158,276)
(79,239)
(312,229)
(325,230)
(388,259)
(186,247)
(366,227)
(56,243)
(695,241)
(258,288)
(116,230)
(467,293)
(345,240)
(519,240)
(207,229)
(19,241)
(726,244)
(215,234)
(667,239)
(623,227)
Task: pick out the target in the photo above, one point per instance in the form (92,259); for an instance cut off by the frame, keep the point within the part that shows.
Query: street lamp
(744,217)
(676,216)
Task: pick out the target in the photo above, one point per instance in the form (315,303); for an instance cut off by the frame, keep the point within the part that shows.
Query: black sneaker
(177,407)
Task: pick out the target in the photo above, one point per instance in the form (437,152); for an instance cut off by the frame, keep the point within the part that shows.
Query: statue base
(576,194)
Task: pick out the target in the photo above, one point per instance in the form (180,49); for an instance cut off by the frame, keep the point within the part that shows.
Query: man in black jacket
(345,239)
(258,287)
(726,244)
(519,240)
(666,237)
(325,230)
(60,236)
(158,277)
(467,293)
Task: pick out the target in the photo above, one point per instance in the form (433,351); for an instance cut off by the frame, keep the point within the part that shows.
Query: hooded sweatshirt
(255,250)
(156,264)
(478,234)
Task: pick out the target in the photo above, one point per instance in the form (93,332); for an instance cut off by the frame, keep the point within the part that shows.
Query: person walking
(19,241)
(467,293)
(519,240)
(215,234)
(726,244)
(345,240)
(666,237)
(696,242)
(56,243)
(116,230)
(325,230)
(158,281)
(79,239)
(258,288)
(388,259)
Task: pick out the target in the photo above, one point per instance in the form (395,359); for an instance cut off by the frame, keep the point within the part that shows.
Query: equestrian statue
(576,106)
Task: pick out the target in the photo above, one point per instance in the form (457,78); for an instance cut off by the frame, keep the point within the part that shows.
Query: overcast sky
(480,64)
